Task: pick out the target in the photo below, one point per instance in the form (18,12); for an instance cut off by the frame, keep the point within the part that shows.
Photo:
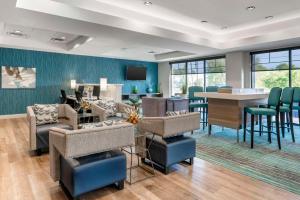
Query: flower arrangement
(133,116)
(85,105)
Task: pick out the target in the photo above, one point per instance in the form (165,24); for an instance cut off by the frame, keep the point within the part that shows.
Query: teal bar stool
(198,103)
(273,101)
(296,101)
(286,109)
(212,89)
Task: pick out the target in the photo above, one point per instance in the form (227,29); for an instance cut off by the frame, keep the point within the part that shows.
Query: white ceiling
(172,29)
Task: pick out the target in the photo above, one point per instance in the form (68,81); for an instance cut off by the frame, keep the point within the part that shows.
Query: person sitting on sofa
(42,117)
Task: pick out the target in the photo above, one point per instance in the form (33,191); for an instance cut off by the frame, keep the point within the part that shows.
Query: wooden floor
(27,177)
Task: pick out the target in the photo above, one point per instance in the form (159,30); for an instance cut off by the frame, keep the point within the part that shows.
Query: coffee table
(140,150)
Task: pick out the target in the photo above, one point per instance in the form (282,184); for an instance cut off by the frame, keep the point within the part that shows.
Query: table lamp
(103,84)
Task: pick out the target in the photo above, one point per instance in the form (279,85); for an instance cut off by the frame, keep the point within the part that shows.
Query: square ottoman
(88,173)
(168,151)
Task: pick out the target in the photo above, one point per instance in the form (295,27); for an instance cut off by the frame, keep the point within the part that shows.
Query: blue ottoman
(92,172)
(168,151)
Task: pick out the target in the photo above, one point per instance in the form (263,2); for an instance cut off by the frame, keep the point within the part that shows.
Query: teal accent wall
(54,72)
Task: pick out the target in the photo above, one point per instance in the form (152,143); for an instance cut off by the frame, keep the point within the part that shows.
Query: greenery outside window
(278,68)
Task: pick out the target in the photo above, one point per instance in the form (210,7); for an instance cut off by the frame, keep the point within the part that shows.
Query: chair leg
(278,131)
(203,118)
(209,129)
(282,123)
(245,125)
(206,117)
(252,131)
(288,121)
(299,117)
(269,125)
(292,125)
(260,124)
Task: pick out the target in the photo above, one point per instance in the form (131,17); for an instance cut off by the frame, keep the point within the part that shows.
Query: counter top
(235,96)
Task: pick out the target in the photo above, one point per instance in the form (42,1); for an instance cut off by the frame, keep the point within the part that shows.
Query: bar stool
(286,109)
(198,102)
(296,101)
(273,101)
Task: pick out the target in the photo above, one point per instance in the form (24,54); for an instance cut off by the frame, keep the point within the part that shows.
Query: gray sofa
(39,134)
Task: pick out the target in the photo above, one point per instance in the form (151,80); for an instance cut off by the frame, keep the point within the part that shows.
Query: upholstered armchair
(169,126)
(169,145)
(102,113)
(39,134)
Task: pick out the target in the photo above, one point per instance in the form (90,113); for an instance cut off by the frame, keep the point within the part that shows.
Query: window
(295,68)
(178,77)
(195,73)
(215,72)
(202,72)
(279,68)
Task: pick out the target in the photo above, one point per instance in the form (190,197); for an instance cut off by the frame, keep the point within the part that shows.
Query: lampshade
(73,84)
(103,84)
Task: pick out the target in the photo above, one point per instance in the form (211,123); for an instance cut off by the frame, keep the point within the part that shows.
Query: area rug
(265,162)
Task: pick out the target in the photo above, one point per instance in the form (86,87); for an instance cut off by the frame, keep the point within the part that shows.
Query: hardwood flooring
(27,177)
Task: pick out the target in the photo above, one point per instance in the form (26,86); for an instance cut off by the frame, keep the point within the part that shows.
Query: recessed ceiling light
(250,8)
(269,17)
(147,3)
(204,21)
(89,39)
(76,46)
(58,39)
(17,33)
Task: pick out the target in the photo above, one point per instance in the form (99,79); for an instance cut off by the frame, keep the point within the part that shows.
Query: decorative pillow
(175,113)
(109,106)
(100,124)
(46,113)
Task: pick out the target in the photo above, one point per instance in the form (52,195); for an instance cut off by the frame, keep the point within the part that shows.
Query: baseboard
(12,116)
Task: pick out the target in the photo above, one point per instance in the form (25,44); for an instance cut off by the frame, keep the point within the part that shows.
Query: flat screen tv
(136,73)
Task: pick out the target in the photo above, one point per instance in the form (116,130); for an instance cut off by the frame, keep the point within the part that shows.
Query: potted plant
(183,89)
(134,89)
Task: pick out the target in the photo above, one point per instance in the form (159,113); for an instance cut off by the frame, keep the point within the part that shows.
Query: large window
(202,72)
(280,68)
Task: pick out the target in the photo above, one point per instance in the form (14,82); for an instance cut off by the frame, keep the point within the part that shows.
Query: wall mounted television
(136,73)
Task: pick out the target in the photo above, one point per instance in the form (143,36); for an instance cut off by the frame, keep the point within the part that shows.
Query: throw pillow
(175,113)
(109,106)
(46,114)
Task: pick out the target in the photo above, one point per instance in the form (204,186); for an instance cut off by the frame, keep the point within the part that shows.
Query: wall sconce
(103,84)
(73,84)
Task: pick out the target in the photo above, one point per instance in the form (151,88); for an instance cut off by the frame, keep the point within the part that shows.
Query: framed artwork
(18,77)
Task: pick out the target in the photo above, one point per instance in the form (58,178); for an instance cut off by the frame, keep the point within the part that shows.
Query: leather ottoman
(88,173)
(168,151)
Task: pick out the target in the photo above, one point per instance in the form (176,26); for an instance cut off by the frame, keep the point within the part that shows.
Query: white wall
(164,72)
(238,69)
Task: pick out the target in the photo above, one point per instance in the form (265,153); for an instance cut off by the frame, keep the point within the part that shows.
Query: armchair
(103,115)
(39,134)
(170,146)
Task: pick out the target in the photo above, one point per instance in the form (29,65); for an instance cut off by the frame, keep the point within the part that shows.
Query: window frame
(290,63)
(204,59)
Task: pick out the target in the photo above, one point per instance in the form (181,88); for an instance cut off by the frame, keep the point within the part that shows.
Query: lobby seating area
(150,100)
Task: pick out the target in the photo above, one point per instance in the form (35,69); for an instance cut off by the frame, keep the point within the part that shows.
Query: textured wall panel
(54,71)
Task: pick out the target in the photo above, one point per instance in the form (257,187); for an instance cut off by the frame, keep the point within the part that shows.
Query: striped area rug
(265,162)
